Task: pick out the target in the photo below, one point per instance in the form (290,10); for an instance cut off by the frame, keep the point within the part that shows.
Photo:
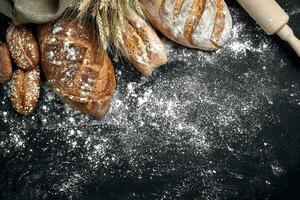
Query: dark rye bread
(142,46)
(23,47)
(78,72)
(203,24)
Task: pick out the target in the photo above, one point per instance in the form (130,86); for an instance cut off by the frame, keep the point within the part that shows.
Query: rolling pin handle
(286,33)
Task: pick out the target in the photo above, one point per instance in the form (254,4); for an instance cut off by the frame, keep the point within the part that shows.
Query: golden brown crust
(79,73)
(203,24)
(177,8)
(142,46)
(5,63)
(25,90)
(96,109)
(219,23)
(23,47)
(191,23)
(156,12)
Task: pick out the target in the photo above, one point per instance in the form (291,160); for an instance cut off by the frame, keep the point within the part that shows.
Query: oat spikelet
(107,17)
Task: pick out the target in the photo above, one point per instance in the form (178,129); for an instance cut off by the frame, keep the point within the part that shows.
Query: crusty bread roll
(23,47)
(79,73)
(142,46)
(25,90)
(203,24)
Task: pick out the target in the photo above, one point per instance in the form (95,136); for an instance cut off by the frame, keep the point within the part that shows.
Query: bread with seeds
(25,90)
(141,45)
(23,47)
(202,24)
(79,73)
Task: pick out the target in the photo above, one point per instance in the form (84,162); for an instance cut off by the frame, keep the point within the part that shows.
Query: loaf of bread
(5,64)
(23,47)
(141,45)
(203,24)
(80,74)
(25,90)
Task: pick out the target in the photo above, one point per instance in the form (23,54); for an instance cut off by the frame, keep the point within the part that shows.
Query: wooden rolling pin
(272,19)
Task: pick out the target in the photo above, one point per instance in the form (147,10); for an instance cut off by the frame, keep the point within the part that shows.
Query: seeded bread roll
(23,47)
(25,90)
(79,73)
(202,24)
(5,63)
(142,46)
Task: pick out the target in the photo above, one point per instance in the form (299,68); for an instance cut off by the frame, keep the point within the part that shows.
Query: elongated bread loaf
(142,46)
(203,24)
(79,73)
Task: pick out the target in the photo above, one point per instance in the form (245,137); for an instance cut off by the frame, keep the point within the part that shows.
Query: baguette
(142,46)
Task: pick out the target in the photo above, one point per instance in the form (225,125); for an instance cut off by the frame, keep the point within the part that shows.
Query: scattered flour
(199,104)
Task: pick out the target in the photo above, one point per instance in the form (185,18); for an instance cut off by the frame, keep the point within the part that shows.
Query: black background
(45,163)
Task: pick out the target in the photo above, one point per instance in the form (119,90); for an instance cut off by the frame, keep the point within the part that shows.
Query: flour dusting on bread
(78,71)
(202,24)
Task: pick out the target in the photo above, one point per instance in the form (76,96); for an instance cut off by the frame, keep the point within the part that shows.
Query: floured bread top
(203,24)
(73,64)
(23,47)
(142,46)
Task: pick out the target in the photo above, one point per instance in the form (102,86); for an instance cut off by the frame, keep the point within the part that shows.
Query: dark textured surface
(221,125)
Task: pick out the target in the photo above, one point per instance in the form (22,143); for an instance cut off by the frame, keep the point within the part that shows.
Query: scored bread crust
(25,90)
(23,47)
(202,24)
(142,46)
(78,72)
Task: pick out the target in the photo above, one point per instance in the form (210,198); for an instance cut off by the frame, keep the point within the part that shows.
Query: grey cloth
(33,11)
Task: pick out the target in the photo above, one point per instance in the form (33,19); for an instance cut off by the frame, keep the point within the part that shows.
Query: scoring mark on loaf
(22,46)
(203,24)
(194,18)
(79,73)
(180,21)
(202,34)
(219,23)
(177,8)
(135,46)
(150,42)
(64,50)
(25,90)
(166,14)
(141,44)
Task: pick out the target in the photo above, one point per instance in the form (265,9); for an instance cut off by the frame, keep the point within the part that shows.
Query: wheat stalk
(108,17)
(84,7)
